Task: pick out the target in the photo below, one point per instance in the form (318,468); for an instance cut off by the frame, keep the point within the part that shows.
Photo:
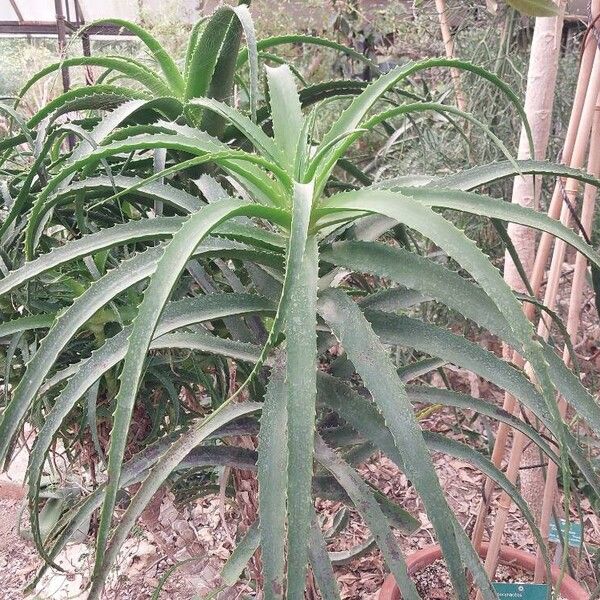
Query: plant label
(575,533)
(521,591)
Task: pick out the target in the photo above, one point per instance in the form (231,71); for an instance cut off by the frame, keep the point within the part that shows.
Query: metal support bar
(50,28)
(85,42)
(62,42)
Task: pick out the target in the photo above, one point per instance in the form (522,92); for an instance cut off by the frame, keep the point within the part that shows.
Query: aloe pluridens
(268,202)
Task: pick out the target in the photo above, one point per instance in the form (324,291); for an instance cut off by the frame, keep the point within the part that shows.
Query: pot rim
(525,560)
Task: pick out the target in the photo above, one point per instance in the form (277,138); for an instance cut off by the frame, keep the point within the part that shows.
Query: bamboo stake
(541,83)
(573,322)
(539,102)
(461,101)
(575,145)
(539,269)
(520,440)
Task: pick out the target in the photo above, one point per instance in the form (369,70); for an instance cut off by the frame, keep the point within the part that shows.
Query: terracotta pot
(570,589)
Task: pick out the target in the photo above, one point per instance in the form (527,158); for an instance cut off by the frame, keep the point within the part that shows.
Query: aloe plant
(252,231)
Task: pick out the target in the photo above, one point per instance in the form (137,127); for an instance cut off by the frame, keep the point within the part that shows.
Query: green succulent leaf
(535,8)
(272,480)
(175,256)
(372,362)
(366,504)
(132,69)
(322,566)
(193,233)
(286,114)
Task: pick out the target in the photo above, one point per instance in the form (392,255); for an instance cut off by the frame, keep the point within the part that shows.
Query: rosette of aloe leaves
(182,237)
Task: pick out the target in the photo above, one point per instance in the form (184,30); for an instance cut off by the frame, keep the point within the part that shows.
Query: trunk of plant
(541,83)
(461,101)
(539,101)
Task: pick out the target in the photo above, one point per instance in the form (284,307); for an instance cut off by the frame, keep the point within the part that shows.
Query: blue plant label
(575,533)
(521,591)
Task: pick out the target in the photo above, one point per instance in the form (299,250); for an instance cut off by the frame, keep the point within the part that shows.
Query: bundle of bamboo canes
(581,149)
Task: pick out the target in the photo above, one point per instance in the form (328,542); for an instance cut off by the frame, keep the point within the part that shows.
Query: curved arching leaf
(173,261)
(372,362)
(367,506)
(162,57)
(456,292)
(146,229)
(21,324)
(283,40)
(498,209)
(352,117)
(128,67)
(430,278)
(484,174)
(364,417)
(321,564)
(99,97)
(165,107)
(340,148)
(251,131)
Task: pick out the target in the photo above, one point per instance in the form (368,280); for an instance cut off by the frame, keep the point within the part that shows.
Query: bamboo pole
(541,83)
(461,101)
(520,440)
(574,153)
(573,322)
(539,103)
(539,269)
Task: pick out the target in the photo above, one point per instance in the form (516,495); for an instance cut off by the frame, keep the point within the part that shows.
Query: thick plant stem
(573,322)
(541,82)
(461,101)
(539,101)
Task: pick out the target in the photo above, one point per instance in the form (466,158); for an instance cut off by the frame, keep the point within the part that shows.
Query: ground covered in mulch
(205,530)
